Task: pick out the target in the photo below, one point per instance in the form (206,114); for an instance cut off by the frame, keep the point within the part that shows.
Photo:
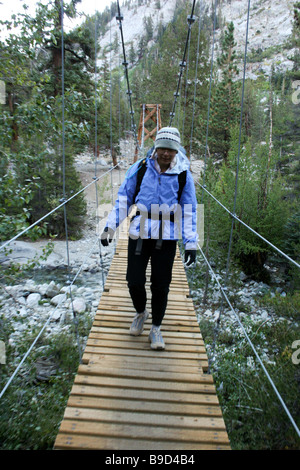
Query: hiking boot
(137,325)
(156,338)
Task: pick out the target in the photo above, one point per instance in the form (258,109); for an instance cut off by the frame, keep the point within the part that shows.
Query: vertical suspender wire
(110,119)
(186,85)
(206,146)
(194,99)
(222,290)
(119,82)
(75,320)
(177,95)
(119,18)
(239,146)
(110,113)
(209,96)
(236,178)
(182,64)
(143,129)
(96,154)
(196,78)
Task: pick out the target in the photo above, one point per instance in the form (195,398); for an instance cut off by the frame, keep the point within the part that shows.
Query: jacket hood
(182,162)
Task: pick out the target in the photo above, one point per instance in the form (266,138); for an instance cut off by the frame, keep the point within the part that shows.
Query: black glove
(107,236)
(189,257)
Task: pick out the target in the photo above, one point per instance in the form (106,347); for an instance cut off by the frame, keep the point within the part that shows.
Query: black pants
(161,275)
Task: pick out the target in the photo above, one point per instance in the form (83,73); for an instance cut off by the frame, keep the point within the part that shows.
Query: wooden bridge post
(150,112)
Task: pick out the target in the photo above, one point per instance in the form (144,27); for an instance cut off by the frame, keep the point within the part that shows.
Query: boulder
(33,300)
(58,299)
(52,290)
(79,305)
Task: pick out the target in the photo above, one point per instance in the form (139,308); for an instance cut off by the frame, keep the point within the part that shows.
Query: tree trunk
(14,126)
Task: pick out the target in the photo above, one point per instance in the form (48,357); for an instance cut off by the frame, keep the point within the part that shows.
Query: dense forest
(38,144)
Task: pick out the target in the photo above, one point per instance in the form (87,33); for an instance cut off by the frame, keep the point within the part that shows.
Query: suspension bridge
(126,396)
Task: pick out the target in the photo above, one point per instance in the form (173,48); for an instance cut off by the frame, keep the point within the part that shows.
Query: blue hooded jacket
(158,194)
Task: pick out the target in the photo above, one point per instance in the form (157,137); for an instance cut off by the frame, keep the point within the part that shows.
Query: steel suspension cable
(120,18)
(75,319)
(4,245)
(239,145)
(249,228)
(10,380)
(190,20)
(216,330)
(186,85)
(196,77)
(96,149)
(236,218)
(222,289)
(209,93)
(63,204)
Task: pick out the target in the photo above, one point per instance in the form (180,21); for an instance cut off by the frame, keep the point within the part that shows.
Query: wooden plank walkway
(128,397)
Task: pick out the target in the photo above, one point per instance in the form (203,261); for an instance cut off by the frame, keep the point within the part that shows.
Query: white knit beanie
(168,137)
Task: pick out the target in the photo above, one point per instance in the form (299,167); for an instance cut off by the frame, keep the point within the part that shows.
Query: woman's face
(165,157)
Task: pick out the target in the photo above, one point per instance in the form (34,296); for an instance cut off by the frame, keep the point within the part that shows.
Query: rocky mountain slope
(270,28)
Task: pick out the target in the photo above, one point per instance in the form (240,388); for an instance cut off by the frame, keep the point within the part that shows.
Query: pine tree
(267,218)
(37,153)
(225,98)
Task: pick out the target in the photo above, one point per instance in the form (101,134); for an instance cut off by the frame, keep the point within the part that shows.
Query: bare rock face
(270,27)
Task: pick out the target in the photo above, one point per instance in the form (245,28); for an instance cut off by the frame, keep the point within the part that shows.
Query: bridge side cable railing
(64,202)
(223,292)
(63,205)
(71,282)
(47,322)
(234,216)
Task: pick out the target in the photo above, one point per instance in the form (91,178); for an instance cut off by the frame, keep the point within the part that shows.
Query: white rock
(66,289)
(52,289)
(33,300)
(56,315)
(79,305)
(208,313)
(21,300)
(43,288)
(23,312)
(58,299)
(264,315)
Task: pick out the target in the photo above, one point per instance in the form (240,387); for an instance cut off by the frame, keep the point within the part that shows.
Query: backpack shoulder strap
(140,175)
(181,181)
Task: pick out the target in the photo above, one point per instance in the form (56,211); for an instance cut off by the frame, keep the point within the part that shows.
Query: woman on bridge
(162,188)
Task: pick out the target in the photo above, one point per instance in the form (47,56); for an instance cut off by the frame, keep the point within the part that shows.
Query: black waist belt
(151,216)
(158,216)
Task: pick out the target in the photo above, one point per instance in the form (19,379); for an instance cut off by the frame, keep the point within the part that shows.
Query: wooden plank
(149,433)
(162,376)
(68,441)
(143,384)
(146,363)
(139,343)
(145,406)
(127,396)
(160,396)
(116,332)
(141,417)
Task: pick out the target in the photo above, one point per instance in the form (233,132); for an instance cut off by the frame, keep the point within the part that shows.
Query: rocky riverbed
(68,275)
